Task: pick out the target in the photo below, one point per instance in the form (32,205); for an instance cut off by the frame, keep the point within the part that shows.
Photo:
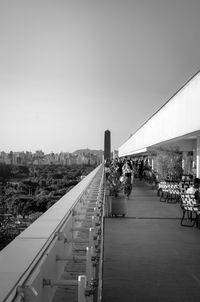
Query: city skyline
(40,150)
(81,157)
(72,69)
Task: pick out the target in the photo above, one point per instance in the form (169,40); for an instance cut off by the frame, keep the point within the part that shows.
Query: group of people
(124,170)
(119,176)
(120,173)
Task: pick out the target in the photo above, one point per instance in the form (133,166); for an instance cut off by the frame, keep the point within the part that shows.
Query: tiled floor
(148,256)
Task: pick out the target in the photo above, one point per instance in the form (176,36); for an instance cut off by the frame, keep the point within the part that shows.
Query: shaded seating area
(170,191)
(176,192)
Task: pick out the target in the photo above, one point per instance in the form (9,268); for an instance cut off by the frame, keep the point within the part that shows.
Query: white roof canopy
(179,117)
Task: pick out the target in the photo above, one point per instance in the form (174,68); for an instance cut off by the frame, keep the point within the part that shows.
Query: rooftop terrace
(74,253)
(149,256)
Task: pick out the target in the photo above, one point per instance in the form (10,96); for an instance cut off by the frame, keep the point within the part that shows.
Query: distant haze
(69,70)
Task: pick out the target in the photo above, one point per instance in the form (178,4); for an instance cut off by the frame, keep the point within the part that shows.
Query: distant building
(39,153)
(4,158)
(82,159)
(39,158)
(107,145)
(115,154)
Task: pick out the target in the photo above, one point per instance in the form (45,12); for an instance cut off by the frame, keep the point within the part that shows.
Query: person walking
(127,172)
(141,170)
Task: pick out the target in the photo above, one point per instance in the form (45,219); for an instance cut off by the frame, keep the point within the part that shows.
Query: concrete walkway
(148,256)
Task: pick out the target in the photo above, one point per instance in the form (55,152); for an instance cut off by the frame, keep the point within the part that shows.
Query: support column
(152,163)
(198,158)
(184,162)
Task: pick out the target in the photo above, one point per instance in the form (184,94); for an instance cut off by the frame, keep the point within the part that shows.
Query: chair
(191,210)
(184,185)
(163,191)
(173,193)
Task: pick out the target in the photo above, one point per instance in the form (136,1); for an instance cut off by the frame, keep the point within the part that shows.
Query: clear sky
(69,70)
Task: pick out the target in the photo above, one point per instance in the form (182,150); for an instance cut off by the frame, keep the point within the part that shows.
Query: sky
(69,70)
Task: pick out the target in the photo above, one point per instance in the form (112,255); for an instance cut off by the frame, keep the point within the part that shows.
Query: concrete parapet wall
(32,255)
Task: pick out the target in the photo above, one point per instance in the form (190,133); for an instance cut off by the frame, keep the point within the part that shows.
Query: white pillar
(198,158)
(152,163)
(184,161)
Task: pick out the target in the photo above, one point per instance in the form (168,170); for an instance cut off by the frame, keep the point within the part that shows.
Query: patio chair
(191,210)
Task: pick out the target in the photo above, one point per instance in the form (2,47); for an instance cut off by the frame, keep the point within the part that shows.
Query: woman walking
(127,171)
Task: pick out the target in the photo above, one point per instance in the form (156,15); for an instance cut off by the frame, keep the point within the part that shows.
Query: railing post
(91,237)
(82,283)
(96,213)
(94,224)
(90,270)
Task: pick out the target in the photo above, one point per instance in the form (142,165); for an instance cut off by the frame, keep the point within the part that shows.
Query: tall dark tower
(107,144)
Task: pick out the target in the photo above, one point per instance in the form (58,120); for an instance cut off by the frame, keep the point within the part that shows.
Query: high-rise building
(115,154)
(107,145)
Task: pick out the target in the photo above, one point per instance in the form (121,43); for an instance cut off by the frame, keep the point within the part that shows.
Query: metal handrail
(100,277)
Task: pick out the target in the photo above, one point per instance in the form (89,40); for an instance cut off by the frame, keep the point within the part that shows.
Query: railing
(33,266)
